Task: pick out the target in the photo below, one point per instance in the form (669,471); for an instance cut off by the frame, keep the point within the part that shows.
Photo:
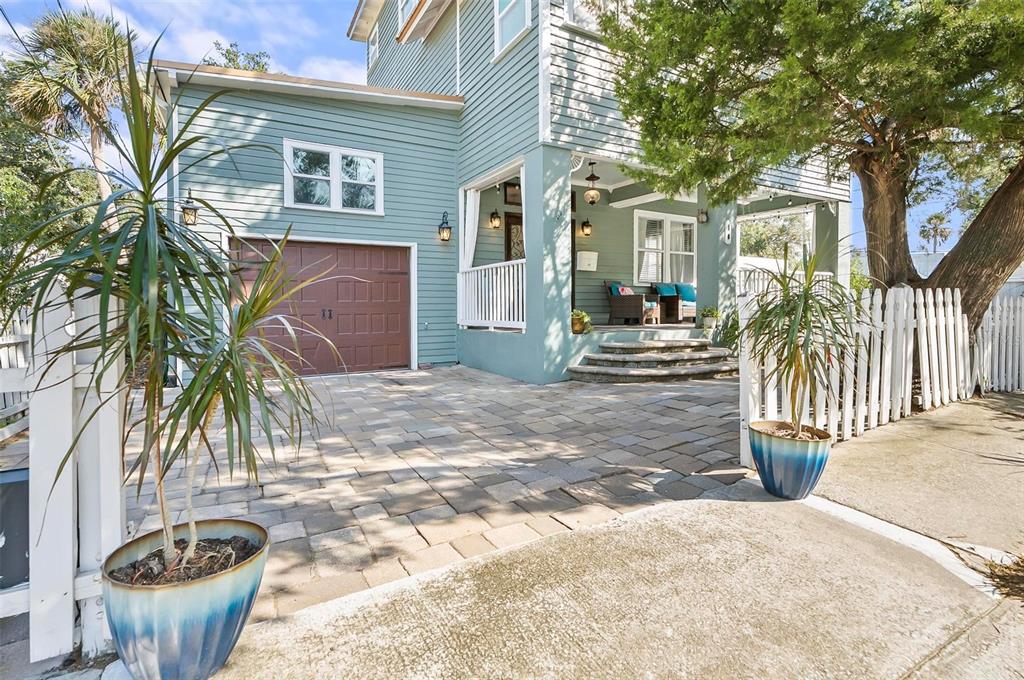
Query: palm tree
(69,77)
(935,231)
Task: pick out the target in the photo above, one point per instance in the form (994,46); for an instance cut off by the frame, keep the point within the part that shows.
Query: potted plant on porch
(709,317)
(806,327)
(580,322)
(171,294)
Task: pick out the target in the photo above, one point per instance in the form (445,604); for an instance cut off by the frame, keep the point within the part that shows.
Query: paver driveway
(420,469)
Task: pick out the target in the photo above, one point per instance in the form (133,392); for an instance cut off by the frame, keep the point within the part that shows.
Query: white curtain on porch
(522,198)
(470,222)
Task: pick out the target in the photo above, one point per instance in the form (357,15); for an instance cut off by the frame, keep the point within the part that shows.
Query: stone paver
(416,470)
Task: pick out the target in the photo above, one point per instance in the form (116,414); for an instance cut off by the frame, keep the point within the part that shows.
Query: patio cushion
(650,304)
(626,290)
(665,289)
(687,291)
(613,287)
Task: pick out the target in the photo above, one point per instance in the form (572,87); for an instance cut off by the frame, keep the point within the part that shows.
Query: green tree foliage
(232,56)
(769,237)
(68,78)
(935,231)
(32,188)
(859,279)
(722,90)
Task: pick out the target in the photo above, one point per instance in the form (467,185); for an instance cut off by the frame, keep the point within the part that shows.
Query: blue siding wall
(585,115)
(419,147)
(500,118)
(425,65)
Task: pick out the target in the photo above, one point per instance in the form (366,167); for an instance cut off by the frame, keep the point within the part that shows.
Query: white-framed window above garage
(664,248)
(584,13)
(403,11)
(511,22)
(321,177)
(372,47)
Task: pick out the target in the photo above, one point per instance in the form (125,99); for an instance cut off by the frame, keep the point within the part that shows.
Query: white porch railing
(493,296)
(753,280)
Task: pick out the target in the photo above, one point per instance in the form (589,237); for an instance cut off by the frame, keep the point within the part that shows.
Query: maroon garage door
(361,304)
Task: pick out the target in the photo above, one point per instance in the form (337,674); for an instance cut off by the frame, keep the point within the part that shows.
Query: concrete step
(616,374)
(651,346)
(710,355)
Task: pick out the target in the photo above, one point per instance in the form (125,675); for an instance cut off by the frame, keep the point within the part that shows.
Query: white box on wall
(586,261)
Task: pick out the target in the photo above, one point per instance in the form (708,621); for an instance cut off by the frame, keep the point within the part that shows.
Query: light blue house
(489,114)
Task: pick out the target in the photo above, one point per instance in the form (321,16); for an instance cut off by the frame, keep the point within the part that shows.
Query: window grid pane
(312,191)
(358,196)
(311,163)
(649,266)
(359,169)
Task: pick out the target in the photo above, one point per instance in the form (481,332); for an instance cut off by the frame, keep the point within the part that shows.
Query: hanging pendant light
(592,195)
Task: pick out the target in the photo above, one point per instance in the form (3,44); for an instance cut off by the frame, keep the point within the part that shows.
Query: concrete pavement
(736,585)
(955,474)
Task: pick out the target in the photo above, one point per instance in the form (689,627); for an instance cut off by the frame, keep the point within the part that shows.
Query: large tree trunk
(989,250)
(96,152)
(885,220)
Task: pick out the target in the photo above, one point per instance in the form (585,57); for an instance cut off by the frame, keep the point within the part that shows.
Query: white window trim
(500,52)
(808,209)
(372,47)
(665,252)
(574,23)
(401,14)
(336,152)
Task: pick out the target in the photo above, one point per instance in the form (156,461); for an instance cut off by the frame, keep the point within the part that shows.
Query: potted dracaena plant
(580,322)
(170,295)
(805,325)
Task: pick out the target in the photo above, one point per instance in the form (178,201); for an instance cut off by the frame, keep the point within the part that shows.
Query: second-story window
(372,47)
(333,178)
(403,13)
(584,13)
(511,20)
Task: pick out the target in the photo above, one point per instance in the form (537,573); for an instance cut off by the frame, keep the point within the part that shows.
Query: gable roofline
(175,73)
(363,19)
(422,20)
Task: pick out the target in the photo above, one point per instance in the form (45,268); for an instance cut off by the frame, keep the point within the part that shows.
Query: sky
(304,38)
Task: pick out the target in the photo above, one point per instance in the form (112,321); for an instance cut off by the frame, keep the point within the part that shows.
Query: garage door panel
(365,298)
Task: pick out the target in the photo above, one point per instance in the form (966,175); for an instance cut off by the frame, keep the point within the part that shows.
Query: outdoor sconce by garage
(189,211)
(702,216)
(495,221)
(444,230)
(586,228)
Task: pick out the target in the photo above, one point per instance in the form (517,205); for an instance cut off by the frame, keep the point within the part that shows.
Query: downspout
(458,47)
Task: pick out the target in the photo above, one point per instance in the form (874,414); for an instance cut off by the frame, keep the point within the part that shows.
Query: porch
(549,232)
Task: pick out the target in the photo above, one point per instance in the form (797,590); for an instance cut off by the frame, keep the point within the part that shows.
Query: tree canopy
(722,90)
(232,56)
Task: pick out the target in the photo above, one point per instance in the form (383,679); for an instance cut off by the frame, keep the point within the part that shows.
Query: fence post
(101,511)
(749,386)
(52,522)
(874,375)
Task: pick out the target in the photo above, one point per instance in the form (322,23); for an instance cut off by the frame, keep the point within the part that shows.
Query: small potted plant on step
(169,294)
(709,317)
(580,322)
(806,327)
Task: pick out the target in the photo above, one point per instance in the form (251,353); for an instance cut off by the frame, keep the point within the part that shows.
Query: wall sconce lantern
(592,195)
(702,216)
(189,211)
(444,230)
(495,220)
(586,228)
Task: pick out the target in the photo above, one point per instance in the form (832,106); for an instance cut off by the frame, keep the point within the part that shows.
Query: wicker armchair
(640,307)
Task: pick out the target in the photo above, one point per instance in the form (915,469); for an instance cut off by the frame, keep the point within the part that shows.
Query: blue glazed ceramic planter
(788,468)
(182,631)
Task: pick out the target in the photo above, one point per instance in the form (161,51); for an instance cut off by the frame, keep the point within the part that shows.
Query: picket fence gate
(873,384)
(77,518)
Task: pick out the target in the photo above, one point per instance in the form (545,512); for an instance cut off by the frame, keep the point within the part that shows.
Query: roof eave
(363,19)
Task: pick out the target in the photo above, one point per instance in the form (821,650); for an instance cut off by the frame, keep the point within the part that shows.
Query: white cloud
(327,68)
(9,46)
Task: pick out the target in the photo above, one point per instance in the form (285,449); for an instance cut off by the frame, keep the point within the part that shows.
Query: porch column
(718,250)
(546,224)
(832,238)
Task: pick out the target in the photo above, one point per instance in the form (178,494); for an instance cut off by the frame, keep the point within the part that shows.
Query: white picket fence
(77,518)
(999,351)
(14,349)
(874,383)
